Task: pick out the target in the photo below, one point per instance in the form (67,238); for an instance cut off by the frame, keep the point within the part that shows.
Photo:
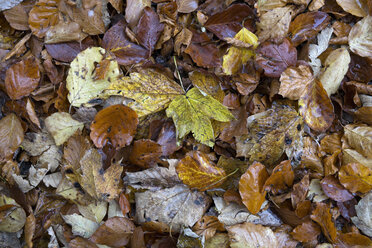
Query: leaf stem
(178,73)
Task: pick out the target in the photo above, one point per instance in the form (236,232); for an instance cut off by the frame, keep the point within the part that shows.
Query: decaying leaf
(236,56)
(317,49)
(293,81)
(251,187)
(115,124)
(151,91)
(356,177)
(271,133)
(323,217)
(14,218)
(192,113)
(197,171)
(177,206)
(81,82)
(360,37)
(11,135)
(316,107)
(363,220)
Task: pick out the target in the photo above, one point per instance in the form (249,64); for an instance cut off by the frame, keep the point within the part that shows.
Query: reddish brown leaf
(330,143)
(356,177)
(42,16)
(281,178)
(323,217)
(307,25)
(124,204)
(231,101)
(115,232)
(138,239)
(30,226)
(115,124)
(229,22)
(360,68)
(197,171)
(79,242)
(306,232)
(116,42)
(303,209)
(334,190)
(251,187)
(145,153)
(300,190)
(22,78)
(316,107)
(11,135)
(167,139)
(275,58)
(207,226)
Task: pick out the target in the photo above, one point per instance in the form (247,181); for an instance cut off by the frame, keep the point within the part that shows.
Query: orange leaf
(145,153)
(42,16)
(281,178)
(197,171)
(124,204)
(356,177)
(251,187)
(306,232)
(22,78)
(115,124)
(353,240)
(316,107)
(323,217)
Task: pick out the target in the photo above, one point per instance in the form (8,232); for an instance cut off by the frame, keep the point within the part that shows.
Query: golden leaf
(197,171)
(356,177)
(322,215)
(207,84)
(192,113)
(293,81)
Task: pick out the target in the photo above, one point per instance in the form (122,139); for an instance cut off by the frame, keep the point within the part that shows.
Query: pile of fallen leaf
(185,123)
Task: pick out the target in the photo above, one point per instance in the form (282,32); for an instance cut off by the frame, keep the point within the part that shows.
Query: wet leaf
(251,187)
(306,232)
(119,230)
(251,235)
(61,126)
(354,7)
(360,37)
(356,177)
(236,57)
(148,29)
(67,52)
(22,78)
(145,153)
(192,113)
(359,137)
(64,31)
(15,219)
(281,178)
(152,91)
(293,81)
(323,217)
(11,135)
(197,171)
(316,107)
(42,16)
(363,219)
(116,125)
(360,69)
(334,190)
(307,25)
(275,58)
(177,206)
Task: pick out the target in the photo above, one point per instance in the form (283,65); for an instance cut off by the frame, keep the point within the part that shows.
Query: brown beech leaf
(42,16)
(30,226)
(360,37)
(207,226)
(293,81)
(334,190)
(359,137)
(275,58)
(307,25)
(354,7)
(323,217)
(330,143)
(93,18)
(22,78)
(306,232)
(82,242)
(299,191)
(118,229)
(281,178)
(115,124)
(187,6)
(126,52)
(197,171)
(145,153)
(251,235)
(251,187)
(228,22)
(356,177)
(316,107)
(11,135)
(18,15)
(309,157)
(364,114)
(124,204)
(134,9)
(352,239)
(148,29)
(360,69)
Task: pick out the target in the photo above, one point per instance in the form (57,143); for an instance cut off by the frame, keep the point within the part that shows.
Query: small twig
(178,73)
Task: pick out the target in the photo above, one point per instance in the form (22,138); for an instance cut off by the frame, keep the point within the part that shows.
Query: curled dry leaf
(192,113)
(281,178)
(293,81)
(197,171)
(363,219)
(11,135)
(22,78)
(323,217)
(251,235)
(145,153)
(306,232)
(275,58)
(151,90)
(316,107)
(307,25)
(116,125)
(356,177)
(119,229)
(354,7)
(236,57)
(251,187)
(81,82)
(42,16)
(360,37)
(334,190)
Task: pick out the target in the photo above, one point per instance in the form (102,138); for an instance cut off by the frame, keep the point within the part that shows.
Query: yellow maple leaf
(239,54)
(151,91)
(192,113)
